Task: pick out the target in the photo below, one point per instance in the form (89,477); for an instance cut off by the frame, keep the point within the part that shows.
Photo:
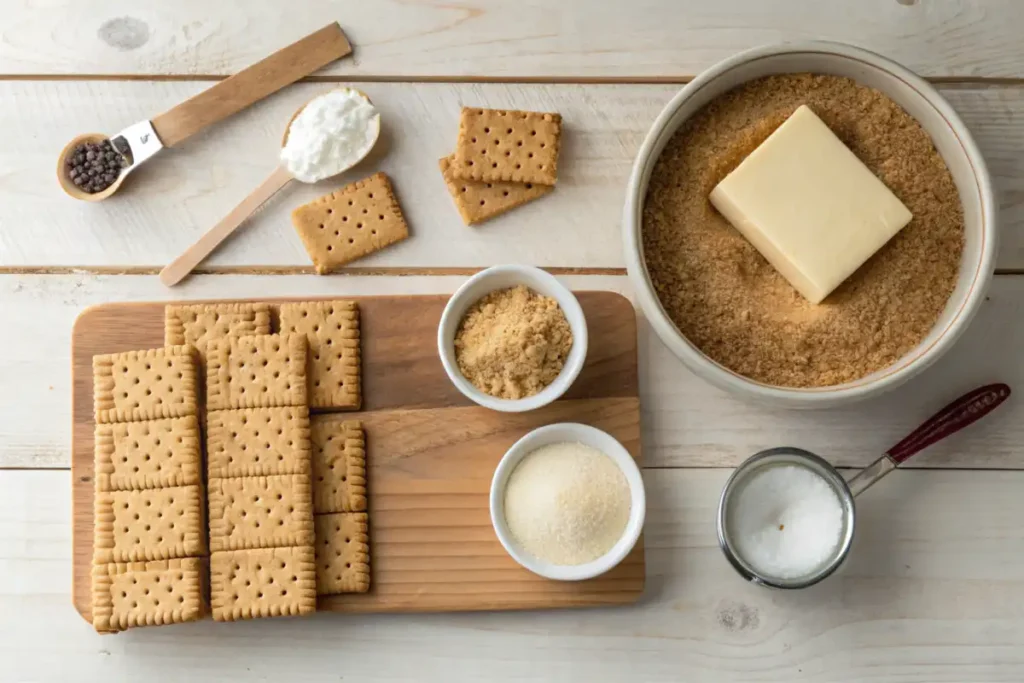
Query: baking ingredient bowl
(950,137)
(503,277)
(588,436)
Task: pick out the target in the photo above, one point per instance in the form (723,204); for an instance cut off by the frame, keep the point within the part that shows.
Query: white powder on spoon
(331,134)
(785,521)
(567,503)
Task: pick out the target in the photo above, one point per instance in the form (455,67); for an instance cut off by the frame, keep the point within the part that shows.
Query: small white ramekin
(588,436)
(503,277)
(953,142)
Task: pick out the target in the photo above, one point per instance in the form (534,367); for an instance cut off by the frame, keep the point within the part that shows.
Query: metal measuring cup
(960,413)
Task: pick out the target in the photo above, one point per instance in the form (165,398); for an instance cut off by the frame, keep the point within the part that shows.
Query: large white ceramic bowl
(502,277)
(951,139)
(588,436)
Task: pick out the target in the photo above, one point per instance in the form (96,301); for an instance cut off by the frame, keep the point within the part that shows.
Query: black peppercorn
(94,166)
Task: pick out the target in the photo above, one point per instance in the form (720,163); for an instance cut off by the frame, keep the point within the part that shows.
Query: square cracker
(339,466)
(513,146)
(263,371)
(332,366)
(254,442)
(342,553)
(146,593)
(197,324)
(149,454)
(357,220)
(155,524)
(145,385)
(261,512)
(478,201)
(269,582)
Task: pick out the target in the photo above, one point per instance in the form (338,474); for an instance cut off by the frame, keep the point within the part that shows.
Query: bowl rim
(595,438)
(900,371)
(574,362)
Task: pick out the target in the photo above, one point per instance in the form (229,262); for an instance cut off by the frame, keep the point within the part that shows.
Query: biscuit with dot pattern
(149,454)
(339,465)
(155,524)
(269,582)
(262,371)
(198,324)
(254,442)
(342,553)
(353,222)
(510,146)
(261,512)
(333,360)
(479,201)
(126,595)
(145,385)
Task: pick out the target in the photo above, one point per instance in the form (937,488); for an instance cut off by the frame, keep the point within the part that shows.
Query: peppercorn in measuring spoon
(327,136)
(92,166)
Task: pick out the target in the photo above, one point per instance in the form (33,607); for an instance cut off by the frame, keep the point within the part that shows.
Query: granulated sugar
(785,521)
(567,503)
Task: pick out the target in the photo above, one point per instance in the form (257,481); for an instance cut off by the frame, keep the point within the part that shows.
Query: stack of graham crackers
(269,554)
(503,159)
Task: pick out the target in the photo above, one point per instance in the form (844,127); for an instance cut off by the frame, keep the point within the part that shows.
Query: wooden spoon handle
(250,85)
(175,271)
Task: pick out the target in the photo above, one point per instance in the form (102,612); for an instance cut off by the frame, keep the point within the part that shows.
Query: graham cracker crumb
(733,305)
(513,343)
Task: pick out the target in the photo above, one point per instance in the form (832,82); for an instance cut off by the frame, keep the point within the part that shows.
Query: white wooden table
(934,590)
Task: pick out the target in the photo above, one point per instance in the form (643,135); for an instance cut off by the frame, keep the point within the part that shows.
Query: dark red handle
(966,410)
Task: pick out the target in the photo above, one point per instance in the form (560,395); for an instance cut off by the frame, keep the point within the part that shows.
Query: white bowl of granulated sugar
(567,502)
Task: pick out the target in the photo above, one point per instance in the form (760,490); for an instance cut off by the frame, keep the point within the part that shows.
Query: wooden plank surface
(933,593)
(431,454)
(686,422)
(492,39)
(166,205)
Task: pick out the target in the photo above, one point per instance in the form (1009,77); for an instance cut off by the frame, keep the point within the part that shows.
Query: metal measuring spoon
(175,271)
(962,412)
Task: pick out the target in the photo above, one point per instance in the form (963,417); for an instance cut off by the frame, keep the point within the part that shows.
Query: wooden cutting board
(430,456)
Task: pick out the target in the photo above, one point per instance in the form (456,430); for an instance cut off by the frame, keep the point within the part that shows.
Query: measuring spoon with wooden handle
(140,141)
(176,271)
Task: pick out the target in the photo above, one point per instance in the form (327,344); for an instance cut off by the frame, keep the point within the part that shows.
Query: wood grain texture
(489,38)
(428,470)
(686,422)
(933,593)
(166,205)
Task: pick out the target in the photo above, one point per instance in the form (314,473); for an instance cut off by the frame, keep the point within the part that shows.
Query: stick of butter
(809,205)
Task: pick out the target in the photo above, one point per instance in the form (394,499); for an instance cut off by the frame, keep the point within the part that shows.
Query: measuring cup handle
(962,412)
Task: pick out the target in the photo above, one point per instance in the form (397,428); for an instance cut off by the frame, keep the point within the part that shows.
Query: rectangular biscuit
(333,358)
(154,524)
(268,582)
(478,201)
(512,146)
(263,371)
(146,593)
(342,553)
(261,512)
(145,385)
(339,466)
(197,324)
(148,454)
(353,222)
(254,442)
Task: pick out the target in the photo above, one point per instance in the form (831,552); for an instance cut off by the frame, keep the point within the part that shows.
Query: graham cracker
(197,324)
(146,593)
(148,455)
(261,512)
(339,466)
(155,524)
(333,361)
(512,146)
(342,553)
(145,385)
(254,442)
(262,371)
(268,582)
(357,220)
(478,201)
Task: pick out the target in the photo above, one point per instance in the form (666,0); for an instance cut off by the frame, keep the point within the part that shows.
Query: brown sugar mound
(734,306)
(512,343)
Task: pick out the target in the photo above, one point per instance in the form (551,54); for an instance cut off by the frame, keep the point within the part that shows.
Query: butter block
(809,205)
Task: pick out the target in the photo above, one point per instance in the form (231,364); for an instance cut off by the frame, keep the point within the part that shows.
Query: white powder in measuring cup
(567,503)
(785,521)
(330,134)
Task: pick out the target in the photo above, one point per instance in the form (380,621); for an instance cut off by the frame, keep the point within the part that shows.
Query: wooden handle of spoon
(250,85)
(175,271)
